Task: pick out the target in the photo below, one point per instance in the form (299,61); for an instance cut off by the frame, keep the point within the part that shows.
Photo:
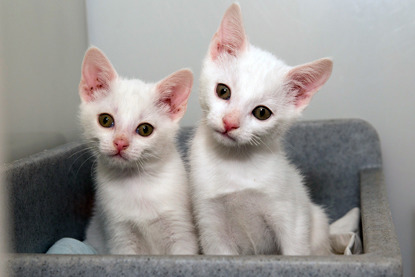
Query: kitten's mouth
(118,156)
(225,134)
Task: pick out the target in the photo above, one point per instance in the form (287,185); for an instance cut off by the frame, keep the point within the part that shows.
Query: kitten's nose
(121,144)
(231,122)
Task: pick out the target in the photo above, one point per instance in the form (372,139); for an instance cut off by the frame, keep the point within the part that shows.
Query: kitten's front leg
(184,246)
(214,243)
(185,243)
(293,237)
(95,236)
(123,249)
(295,245)
(126,240)
(214,238)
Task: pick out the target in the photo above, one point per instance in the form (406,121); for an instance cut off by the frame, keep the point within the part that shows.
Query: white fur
(247,197)
(142,201)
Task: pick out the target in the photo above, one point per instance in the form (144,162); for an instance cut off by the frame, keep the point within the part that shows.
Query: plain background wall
(372,44)
(44,42)
(3,196)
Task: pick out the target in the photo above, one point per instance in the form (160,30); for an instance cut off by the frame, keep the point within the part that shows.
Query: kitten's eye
(223,91)
(262,112)
(144,129)
(106,120)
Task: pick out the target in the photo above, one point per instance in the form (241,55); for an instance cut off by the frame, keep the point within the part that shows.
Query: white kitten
(248,198)
(142,201)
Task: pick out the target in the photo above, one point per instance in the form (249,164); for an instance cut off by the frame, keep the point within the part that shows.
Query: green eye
(144,129)
(223,91)
(106,120)
(262,112)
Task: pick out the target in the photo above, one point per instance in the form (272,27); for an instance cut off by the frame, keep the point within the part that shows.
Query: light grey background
(372,44)
(3,196)
(43,44)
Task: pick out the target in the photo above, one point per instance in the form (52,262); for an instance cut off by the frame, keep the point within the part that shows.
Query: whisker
(80,151)
(266,145)
(141,166)
(254,140)
(87,146)
(138,167)
(84,149)
(91,157)
(148,155)
(80,156)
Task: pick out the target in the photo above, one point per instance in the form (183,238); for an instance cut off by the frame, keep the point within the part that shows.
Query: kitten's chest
(135,199)
(235,175)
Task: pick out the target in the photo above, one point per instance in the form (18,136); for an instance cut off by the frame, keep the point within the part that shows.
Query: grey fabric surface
(51,197)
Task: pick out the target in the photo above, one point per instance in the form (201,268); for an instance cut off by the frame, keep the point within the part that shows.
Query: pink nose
(230,122)
(121,144)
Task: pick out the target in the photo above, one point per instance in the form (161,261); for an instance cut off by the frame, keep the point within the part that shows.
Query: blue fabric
(71,246)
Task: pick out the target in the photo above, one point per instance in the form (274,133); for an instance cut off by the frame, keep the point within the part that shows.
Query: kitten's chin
(226,139)
(118,161)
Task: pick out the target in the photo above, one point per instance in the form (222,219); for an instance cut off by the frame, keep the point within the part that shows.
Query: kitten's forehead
(252,75)
(257,67)
(131,93)
(131,100)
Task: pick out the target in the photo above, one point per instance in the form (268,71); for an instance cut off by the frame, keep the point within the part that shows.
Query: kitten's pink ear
(97,74)
(174,92)
(305,80)
(230,38)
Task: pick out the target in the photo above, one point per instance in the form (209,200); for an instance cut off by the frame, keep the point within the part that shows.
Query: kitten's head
(129,121)
(248,95)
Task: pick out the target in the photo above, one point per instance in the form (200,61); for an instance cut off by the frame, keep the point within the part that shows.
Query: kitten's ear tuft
(174,92)
(305,80)
(230,38)
(97,74)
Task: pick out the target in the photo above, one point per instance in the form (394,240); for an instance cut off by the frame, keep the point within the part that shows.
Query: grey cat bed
(51,196)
